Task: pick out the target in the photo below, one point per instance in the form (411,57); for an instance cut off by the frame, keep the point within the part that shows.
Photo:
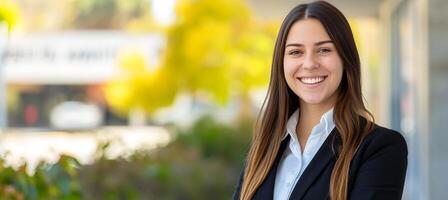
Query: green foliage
(217,141)
(203,162)
(50,181)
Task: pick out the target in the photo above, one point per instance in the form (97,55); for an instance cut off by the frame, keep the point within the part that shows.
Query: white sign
(73,57)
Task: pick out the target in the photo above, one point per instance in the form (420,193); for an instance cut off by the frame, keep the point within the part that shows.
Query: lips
(312,80)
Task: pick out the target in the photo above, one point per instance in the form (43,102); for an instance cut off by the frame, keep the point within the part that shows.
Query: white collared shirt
(293,161)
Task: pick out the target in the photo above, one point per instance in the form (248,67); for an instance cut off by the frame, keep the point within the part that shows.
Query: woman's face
(312,66)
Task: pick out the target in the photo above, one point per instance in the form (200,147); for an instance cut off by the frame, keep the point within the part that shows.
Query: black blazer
(377,170)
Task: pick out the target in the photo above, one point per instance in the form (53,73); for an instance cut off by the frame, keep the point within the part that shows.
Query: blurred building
(56,79)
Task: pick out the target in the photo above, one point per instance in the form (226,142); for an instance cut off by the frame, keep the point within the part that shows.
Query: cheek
(339,71)
(337,78)
(334,66)
(288,68)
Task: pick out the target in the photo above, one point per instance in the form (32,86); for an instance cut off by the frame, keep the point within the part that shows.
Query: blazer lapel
(266,189)
(320,161)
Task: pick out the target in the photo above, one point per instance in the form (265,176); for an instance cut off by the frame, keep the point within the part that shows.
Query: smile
(312,80)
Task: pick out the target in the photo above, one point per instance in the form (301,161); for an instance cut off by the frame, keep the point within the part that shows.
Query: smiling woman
(312,66)
(314,138)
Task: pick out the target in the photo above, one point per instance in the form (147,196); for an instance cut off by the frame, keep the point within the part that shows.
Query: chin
(312,100)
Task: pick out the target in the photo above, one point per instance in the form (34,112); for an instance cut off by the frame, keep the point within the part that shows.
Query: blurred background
(155,99)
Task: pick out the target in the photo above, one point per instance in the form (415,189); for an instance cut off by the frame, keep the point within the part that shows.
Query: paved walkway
(18,147)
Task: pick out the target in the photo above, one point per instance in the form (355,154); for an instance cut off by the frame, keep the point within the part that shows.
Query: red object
(30,115)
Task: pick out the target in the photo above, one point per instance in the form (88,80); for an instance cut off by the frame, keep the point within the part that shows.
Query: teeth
(312,80)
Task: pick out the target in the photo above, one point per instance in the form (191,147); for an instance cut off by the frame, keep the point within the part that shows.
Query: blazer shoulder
(381,138)
(383,134)
(378,169)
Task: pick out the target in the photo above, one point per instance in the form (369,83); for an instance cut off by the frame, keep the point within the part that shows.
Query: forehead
(307,31)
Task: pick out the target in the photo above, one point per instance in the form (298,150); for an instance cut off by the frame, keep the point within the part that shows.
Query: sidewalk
(17,147)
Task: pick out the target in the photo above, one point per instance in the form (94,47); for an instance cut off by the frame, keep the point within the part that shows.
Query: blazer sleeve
(382,169)
(236,193)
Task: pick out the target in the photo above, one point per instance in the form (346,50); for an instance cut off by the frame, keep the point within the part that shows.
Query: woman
(314,138)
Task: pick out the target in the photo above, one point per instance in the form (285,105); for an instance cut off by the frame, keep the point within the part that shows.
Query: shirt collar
(326,120)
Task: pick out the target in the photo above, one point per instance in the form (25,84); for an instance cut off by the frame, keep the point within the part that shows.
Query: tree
(215,46)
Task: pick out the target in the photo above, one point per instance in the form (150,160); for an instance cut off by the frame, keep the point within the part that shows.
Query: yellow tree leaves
(214,47)
(218,48)
(140,87)
(9,13)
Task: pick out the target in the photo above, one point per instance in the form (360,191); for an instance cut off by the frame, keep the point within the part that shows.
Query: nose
(310,62)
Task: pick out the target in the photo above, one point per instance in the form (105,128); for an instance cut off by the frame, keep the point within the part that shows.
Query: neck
(311,113)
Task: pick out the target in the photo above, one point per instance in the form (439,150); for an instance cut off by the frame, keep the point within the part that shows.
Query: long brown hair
(352,119)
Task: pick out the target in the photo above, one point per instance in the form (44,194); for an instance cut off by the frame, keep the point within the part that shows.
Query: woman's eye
(323,51)
(295,52)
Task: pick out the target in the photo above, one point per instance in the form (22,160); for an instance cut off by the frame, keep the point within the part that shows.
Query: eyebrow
(315,44)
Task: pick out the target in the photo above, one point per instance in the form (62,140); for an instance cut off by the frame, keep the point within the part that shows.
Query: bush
(56,181)
(201,163)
